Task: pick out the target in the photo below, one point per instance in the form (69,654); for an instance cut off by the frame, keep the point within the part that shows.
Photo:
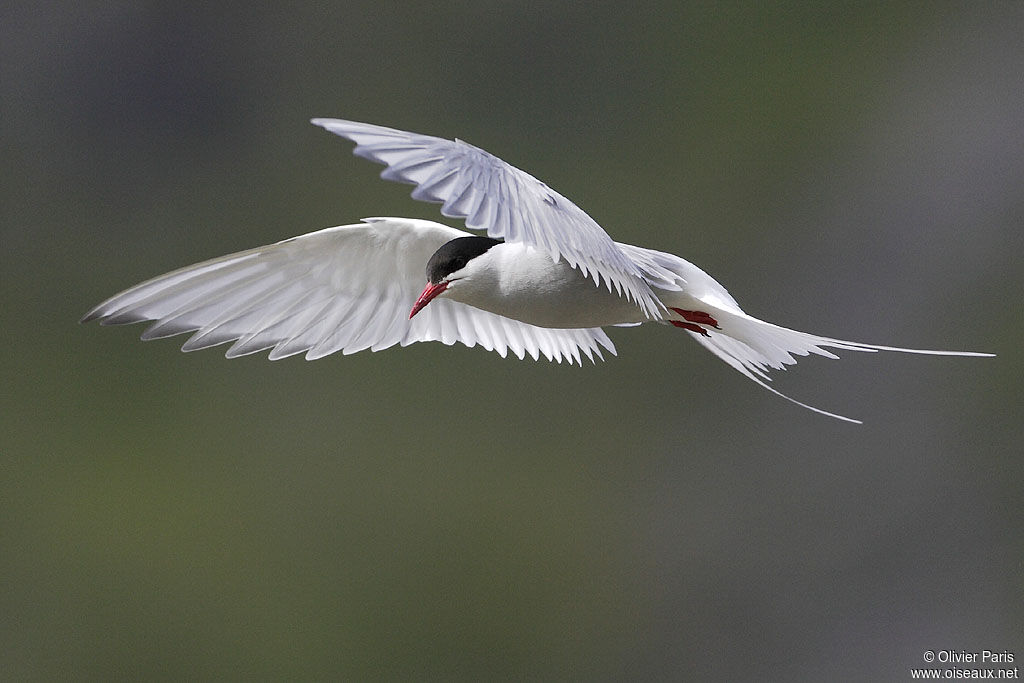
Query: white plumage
(547,289)
(344,289)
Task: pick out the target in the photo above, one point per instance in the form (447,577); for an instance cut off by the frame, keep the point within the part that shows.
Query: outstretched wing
(345,289)
(492,195)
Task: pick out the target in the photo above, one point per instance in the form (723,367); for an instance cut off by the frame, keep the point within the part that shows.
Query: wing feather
(344,289)
(502,200)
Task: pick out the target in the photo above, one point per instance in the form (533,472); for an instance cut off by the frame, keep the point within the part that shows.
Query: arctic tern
(544,279)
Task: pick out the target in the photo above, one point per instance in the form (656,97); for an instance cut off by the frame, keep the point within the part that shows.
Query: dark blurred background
(855,170)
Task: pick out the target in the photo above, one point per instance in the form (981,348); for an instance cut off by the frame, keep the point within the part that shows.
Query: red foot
(699,317)
(690,326)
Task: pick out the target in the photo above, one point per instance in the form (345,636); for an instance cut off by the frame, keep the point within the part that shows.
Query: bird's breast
(525,284)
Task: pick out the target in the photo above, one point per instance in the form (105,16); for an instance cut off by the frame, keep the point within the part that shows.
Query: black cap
(454,255)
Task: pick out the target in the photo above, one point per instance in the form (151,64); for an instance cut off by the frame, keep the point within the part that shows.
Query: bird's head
(453,261)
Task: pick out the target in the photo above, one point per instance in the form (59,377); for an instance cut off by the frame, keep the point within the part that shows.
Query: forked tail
(753,347)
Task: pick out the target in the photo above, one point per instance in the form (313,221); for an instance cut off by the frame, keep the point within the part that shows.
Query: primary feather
(499,198)
(344,289)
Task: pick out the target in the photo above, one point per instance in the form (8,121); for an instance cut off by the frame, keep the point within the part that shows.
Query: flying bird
(543,279)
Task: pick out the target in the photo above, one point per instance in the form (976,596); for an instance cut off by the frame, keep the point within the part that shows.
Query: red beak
(428,293)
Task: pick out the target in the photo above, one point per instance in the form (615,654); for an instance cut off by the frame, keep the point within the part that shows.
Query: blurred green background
(852,169)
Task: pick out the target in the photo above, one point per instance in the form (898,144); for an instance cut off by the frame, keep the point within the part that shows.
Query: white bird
(545,280)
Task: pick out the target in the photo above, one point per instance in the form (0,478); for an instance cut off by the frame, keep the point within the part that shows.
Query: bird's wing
(345,289)
(508,203)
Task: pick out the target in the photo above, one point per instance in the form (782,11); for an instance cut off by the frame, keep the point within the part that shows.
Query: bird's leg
(694,320)
(691,327)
